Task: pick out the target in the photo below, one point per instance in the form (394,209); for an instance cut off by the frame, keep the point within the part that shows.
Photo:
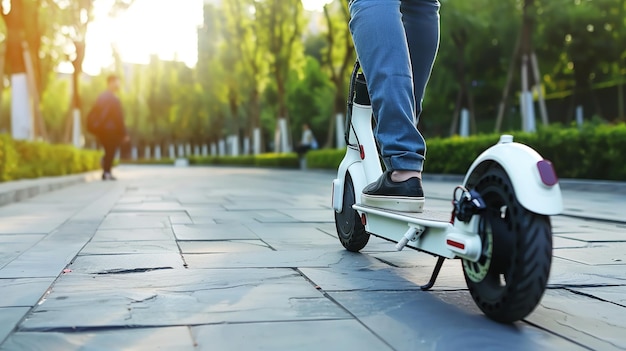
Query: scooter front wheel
(350,230)
(509,279)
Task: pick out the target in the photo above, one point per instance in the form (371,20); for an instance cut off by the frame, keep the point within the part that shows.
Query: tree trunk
(620,100)
(460,40)
(507,85)
(3,49)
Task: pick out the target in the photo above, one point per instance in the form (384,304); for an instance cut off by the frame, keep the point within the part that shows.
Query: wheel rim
(497,230)
(477,271)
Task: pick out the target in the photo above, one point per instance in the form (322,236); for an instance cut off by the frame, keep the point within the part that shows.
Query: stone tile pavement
(247,259)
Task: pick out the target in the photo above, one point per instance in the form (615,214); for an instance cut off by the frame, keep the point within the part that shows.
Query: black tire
(350,230)
(510,278)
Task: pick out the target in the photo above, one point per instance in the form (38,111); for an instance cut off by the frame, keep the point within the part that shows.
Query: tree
(337,57)
(584,37)
(250,54)
(283,23)
(75,17)
(23,62)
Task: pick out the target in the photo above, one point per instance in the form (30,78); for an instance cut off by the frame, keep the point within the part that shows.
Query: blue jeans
(396,42)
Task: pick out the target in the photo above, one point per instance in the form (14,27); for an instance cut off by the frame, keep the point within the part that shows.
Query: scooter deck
(427,218)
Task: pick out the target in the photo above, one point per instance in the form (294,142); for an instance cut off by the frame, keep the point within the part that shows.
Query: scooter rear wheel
(350,230)
(510,278)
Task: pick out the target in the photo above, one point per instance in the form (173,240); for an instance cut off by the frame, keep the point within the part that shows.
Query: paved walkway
(247,259)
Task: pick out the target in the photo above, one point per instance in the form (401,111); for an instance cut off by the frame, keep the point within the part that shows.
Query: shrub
(24,159)
(263,160)
(594,152)
(8,158)
(325,158)
(143,161)
(277,160)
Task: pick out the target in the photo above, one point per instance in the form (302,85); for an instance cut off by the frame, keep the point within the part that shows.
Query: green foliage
(54,103)
(22,159)
(8,158)
(324,158)
(222,160)
(143,161)
(262,160)
(277,160)
(595,152)
(253,67)
(310,100)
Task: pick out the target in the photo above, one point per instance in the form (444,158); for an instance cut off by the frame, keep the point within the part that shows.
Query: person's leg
(379,29)
(421,23)
(110,149)
(381,43)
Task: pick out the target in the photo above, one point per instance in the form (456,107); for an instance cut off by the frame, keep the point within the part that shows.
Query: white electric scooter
(499,225)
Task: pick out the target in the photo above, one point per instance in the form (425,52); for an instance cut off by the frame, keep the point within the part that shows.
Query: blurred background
(246,74)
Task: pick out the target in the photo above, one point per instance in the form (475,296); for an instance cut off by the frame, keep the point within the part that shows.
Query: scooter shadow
(393,307)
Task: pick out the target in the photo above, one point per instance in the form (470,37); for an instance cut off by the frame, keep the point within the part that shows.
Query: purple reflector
(547,173)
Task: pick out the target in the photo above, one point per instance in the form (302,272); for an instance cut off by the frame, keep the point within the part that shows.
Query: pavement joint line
(73,330)
(68,221)
(342,307)
(386,262)
(345,299)
(593,297)
(556,334)
(595,219)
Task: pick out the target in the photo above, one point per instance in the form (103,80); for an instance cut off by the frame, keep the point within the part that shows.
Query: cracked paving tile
(417,320)
(294,336)
(183,297)
(595,324)
(136,339)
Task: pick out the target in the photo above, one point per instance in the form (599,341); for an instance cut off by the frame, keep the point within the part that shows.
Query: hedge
(289,160)
(594,152)
(24,159)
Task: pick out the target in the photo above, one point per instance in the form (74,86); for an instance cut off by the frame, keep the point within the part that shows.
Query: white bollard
(341,130)
(234,145)
(157,152)
(579,116)
(21,110)
(77,135)
(133,153)
(221,148)
(256,141)
(284,136)
(246,146)
(464,129)
(528,111)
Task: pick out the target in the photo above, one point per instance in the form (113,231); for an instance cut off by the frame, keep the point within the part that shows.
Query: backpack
(96,119)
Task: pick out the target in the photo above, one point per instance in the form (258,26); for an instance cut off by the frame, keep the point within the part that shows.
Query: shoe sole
(395,203)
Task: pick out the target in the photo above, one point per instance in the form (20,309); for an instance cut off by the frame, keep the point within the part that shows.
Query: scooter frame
(533,180)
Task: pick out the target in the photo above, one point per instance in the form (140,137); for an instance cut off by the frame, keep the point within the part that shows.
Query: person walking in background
(307,142)
(106,122)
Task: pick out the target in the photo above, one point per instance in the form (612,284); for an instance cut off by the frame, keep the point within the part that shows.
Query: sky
(167,28)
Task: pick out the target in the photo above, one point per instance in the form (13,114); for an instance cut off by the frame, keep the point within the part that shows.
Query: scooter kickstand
(411,235)
(433,277)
